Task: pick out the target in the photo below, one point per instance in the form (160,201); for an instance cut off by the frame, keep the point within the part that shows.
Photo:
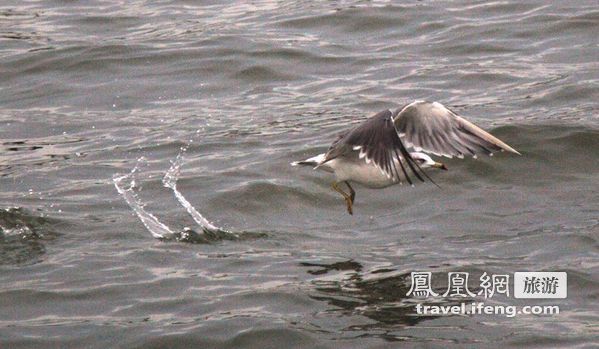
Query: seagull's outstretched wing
(432,128)
(377,141)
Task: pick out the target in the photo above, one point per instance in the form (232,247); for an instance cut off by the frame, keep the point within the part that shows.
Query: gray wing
(432,128)
(377,141)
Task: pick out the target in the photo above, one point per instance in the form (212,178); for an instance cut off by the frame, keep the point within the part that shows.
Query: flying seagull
(388,148)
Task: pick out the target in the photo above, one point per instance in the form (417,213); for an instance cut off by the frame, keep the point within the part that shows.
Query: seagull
(390,147)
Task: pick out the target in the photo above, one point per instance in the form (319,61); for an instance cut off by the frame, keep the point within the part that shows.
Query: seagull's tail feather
(313,161)
(304,163)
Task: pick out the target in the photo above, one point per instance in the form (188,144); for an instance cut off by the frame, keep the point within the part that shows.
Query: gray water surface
(88,88)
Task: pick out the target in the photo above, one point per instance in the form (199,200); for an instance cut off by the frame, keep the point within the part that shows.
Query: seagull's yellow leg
(352,193)
(347,197)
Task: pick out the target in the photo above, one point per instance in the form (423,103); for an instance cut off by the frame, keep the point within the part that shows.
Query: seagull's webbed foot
(349,198)
(349,204)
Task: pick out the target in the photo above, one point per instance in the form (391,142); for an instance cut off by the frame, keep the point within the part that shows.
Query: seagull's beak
(440,166)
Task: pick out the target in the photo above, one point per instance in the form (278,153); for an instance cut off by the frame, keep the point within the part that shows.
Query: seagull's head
(425,161)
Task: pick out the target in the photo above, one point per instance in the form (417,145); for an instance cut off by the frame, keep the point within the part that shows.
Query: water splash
(170,181)
(126,185)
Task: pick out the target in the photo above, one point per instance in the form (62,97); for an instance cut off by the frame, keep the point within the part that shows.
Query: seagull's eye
(420,161)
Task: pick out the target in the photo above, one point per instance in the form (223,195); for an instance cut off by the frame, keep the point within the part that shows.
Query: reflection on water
(382,299)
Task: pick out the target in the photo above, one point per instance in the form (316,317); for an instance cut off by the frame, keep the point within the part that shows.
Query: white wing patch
(419,149)
(363,155)
(393,163)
